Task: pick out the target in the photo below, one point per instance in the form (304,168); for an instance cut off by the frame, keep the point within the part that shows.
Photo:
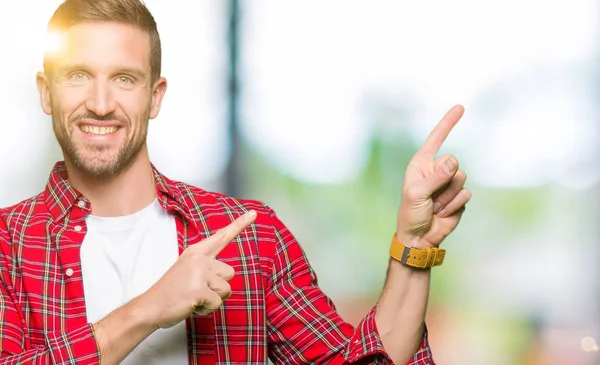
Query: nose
(101,99)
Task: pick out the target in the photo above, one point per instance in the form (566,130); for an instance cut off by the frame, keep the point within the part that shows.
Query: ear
(43,86)
(158,93)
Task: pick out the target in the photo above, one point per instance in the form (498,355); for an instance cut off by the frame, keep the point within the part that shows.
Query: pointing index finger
(217,242)
(434,141)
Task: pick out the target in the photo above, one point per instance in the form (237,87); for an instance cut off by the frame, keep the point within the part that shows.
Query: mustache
(100,118)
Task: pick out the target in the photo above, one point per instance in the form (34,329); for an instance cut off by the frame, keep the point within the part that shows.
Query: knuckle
(200,284)
(204,293)
(229,272)
(412,194)
(216,302)
(226,291)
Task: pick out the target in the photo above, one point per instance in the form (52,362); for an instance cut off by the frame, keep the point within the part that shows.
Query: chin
(99,171)
(97,166)
(102,163)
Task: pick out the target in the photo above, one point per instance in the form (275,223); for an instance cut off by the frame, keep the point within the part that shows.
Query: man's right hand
(197,282)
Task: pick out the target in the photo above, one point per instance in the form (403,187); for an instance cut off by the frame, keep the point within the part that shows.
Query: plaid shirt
(276,309)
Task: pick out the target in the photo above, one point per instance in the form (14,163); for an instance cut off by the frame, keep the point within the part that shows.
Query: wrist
(414,255)
(141,314)
(413,241)
(121,331)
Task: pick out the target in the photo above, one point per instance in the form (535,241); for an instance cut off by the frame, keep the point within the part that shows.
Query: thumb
(444,170)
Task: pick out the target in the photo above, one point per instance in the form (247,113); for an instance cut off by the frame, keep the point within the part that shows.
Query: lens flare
(588,344)
(54,44)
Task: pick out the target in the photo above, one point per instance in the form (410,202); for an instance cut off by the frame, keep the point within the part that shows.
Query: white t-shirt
(122,257)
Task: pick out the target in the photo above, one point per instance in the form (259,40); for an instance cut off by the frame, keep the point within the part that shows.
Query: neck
(126,193)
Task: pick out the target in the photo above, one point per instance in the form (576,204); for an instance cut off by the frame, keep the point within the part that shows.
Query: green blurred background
(315,108)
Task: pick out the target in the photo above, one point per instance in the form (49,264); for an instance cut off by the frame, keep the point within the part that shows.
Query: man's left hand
(433,193)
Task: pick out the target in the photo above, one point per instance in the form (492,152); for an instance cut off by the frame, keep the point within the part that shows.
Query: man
(113,262)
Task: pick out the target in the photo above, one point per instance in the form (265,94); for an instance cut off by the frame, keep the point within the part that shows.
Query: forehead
(104,45)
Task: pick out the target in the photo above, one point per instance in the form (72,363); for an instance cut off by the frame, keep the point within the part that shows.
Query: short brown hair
(132,12)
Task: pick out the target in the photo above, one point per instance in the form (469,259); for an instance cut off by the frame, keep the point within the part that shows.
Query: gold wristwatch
(419,258)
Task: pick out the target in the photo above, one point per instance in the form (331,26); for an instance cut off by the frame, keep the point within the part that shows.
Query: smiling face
(101,95)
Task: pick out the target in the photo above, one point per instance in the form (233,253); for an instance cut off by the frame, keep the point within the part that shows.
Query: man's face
(100,95)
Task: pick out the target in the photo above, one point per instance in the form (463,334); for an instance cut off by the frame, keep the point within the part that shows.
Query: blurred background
(316,108)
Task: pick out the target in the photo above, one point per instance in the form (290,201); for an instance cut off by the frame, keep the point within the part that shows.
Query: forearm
(121,331)
(400,315)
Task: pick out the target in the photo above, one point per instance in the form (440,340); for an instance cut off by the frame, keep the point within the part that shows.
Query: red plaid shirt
(276,309)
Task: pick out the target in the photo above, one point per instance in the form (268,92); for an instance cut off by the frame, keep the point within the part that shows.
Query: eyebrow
(132,71)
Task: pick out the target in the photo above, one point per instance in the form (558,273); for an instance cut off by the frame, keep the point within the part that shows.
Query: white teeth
(89,129)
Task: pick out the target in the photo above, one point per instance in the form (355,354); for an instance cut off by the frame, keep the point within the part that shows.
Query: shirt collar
(60,197)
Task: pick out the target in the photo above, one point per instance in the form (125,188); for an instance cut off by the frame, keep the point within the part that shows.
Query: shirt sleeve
(77,346)
(302,322)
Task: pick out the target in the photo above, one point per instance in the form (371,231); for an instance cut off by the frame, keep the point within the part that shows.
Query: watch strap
(420,258)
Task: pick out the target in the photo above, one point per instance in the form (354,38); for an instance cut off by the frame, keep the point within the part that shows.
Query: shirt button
(69,272)
(78,228)
(81,204)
